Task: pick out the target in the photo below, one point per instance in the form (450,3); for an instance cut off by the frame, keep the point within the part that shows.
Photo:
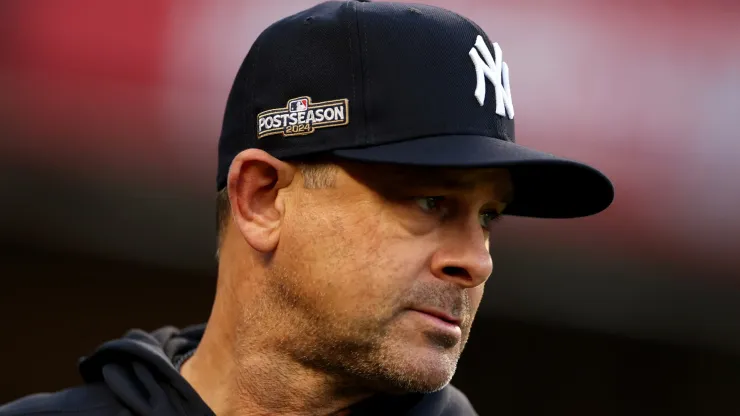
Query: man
(367,150)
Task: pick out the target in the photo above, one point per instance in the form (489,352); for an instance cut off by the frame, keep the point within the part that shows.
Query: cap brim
(545,185)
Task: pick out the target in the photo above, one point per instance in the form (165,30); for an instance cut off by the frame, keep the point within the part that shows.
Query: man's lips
(437,313)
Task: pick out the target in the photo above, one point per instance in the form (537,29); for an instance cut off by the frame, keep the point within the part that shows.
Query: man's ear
(254,180)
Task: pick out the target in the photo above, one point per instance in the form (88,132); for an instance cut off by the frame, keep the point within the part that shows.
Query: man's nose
(463,256)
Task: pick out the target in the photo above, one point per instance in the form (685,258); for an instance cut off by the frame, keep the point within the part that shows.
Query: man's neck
(245,376)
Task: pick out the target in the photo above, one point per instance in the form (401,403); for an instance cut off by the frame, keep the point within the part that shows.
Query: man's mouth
(441,315)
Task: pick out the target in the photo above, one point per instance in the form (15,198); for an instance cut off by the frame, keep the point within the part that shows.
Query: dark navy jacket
(135,375)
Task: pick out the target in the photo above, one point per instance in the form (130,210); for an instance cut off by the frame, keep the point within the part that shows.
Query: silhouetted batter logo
(298,105)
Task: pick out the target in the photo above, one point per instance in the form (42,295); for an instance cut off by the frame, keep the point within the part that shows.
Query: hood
(138,370)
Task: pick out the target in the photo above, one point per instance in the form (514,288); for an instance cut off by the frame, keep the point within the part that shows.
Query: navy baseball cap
(399,83)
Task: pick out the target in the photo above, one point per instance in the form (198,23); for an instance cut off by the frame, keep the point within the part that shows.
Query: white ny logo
(497,72)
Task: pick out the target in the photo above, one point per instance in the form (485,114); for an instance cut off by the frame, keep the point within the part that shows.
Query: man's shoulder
(91,399)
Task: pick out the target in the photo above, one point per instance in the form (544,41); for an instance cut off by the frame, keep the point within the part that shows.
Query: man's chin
(417,370)
(414,358)
(417,383)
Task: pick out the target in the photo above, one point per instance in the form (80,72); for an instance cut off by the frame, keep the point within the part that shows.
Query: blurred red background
(647,91)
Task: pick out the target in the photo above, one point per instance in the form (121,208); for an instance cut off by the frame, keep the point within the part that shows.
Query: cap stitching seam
(366,73)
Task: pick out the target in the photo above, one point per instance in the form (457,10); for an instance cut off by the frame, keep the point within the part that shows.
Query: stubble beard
(360,355)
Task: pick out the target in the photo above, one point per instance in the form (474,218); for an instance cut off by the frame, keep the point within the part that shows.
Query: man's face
(363,265)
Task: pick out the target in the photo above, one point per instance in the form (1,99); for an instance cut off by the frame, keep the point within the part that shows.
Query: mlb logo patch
(301,116)
(298,105)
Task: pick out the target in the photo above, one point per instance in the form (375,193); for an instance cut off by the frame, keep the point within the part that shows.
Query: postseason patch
(301,116)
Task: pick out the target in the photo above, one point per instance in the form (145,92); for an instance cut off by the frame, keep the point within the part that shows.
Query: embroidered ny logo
(496,71)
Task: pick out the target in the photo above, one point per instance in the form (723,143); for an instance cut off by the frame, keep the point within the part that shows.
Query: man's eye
(430,204)
(488,218)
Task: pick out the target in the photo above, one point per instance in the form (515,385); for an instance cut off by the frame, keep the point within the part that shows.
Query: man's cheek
(475,294)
